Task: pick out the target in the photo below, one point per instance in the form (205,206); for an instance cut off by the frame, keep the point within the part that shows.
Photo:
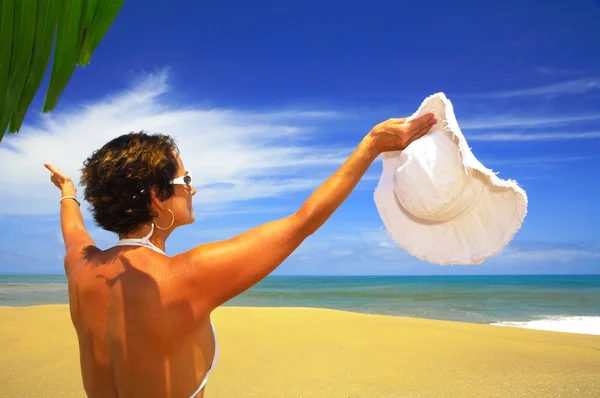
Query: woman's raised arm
(211,274)
(73,228)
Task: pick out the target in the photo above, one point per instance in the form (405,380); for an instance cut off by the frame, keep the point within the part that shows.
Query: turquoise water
(520,300)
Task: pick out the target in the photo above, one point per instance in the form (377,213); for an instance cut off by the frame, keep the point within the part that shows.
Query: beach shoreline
(567,303)
(308,352)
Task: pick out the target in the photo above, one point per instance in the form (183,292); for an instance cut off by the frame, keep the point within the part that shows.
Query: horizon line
(346,275)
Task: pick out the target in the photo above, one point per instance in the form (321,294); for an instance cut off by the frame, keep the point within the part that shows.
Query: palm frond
(28,29)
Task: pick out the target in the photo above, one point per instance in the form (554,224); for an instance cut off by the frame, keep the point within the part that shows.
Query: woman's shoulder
(92,261)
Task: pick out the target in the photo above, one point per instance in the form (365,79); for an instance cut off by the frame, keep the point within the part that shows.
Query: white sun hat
(439,203)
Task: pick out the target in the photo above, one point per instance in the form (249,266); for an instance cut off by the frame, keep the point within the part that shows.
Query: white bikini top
(145,241)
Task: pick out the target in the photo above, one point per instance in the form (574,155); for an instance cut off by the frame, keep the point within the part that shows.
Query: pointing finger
(49,167)
(54,170)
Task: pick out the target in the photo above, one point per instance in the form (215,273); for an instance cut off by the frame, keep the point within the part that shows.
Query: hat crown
(431,181)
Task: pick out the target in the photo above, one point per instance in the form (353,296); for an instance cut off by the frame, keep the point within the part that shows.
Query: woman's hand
(61,180)
(397,134)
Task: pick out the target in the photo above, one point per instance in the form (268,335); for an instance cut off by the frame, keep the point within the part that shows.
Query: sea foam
(567,324)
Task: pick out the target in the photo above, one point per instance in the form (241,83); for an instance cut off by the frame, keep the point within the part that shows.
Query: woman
(143,318)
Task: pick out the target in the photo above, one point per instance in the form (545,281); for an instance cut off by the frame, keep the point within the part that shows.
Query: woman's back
(137,336)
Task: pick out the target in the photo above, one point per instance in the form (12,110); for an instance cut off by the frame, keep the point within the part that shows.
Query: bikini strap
(144,241)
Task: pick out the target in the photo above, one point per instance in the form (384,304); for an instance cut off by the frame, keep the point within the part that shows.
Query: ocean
(564,303)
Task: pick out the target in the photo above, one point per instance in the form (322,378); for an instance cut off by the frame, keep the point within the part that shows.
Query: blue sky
(266,99)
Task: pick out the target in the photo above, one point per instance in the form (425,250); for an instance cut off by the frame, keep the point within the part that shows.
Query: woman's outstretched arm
(211,274)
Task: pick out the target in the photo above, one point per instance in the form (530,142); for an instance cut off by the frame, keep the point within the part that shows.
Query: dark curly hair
(118,177)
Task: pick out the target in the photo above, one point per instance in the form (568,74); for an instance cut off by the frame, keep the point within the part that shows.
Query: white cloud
(545,70)
(353,250)
(238,155)
(374,244)
(534,136)
(373,176)
(557,255)
(578,86)
(535,160)
(341,253)
(501,121)
(549,252)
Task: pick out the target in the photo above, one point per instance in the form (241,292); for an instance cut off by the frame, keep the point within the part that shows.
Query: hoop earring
(170,225)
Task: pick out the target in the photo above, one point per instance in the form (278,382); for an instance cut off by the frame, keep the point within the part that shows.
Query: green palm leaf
(24,14)
(47,17)
(28,29)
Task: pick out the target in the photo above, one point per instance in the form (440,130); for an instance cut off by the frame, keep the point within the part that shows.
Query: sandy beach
(297,352)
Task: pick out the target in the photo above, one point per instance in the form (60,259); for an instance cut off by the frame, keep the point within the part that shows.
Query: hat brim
(483,231)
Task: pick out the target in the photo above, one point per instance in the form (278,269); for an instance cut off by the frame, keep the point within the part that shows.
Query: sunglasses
(183,180)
